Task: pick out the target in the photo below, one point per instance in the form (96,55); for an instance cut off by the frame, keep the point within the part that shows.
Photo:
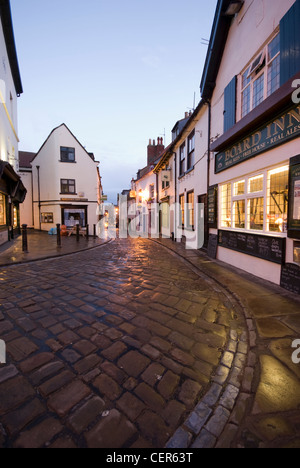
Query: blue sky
(116,72)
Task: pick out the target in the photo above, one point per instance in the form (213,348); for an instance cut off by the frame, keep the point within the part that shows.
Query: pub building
(12,190)
(250,85)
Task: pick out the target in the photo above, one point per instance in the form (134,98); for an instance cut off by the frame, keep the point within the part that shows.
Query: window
(181,202)
(67,154)
(226,205)
(182,160)
(262,77)
(47,218)
(190,210)
(257,203)
(191,151)
(152,191)
(2,210)
(68,186)
(277,208)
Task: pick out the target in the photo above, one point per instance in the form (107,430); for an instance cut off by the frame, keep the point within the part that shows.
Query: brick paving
(117,347)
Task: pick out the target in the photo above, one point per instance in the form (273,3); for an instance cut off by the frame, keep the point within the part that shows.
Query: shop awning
(12,181)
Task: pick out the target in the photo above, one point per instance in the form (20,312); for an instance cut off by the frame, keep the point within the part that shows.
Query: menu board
(212,246)
(264,247)
(294,199)
(290,278)
(213,206)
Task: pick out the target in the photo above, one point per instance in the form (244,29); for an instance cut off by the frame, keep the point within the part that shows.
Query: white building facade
(12,191)
(255,128)
(66,184)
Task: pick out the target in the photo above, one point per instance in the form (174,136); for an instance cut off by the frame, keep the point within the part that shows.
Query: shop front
(258,200)
(74,215)
(12,194)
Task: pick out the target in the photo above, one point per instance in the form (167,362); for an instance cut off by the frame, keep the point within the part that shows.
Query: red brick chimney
(155,150)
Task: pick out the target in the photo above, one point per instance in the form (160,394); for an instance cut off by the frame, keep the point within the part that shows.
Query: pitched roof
(25,159)
(90,155)
(219,34)
(6,20)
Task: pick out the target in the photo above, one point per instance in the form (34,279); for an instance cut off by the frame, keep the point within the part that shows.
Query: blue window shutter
(290,43)
(230,105)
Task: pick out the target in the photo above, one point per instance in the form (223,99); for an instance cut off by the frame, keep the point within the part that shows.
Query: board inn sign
(280,130)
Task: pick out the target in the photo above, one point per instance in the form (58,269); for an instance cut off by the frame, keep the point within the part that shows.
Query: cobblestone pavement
(121,346)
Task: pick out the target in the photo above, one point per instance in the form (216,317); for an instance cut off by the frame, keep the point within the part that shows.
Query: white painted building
(12,191)
(182,174)
(66,184)
(251,68)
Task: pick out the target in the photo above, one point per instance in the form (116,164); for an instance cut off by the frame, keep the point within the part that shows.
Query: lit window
(191,210)
(226,205)
(181,201)
(277,199)
(256,184)
(239,214)
(239,188)
(256,214)
(258,203)
(2,210)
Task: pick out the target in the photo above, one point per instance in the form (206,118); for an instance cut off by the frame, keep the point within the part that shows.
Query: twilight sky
(116,72)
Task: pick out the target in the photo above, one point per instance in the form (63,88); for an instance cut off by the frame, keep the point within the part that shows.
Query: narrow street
(113,347)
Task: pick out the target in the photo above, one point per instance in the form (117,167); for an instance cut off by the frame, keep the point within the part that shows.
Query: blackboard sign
(290,278)
(213,206)
(212,246)
(264,247)
(294,199)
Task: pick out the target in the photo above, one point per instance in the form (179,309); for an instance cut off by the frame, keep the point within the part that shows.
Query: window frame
(191,151)
(232,199)
(66,149)
(182,158)
(248,80)
(67,184)
(182,208)
(190,210)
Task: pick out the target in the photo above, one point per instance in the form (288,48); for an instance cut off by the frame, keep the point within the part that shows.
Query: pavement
(143,344)
(42,246)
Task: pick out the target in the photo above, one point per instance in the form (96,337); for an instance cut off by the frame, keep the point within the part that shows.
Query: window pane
(245,79)
(181,201)
(2,210)
(274,76)
(258,91)
(246,101)
(256,184)
(239,214)
(239,188)
(256,214)
(274,47)
(226,205)
(190,200)
(277,199)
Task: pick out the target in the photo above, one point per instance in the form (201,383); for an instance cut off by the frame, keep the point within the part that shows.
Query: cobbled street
(113,347)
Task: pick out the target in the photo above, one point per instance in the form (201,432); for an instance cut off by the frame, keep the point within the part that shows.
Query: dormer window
(262,77)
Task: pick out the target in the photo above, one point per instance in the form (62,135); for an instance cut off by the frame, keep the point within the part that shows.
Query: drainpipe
(39,195)
(175,212)
(208,162)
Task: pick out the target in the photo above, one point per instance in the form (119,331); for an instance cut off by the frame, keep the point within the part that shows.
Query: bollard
(77,232)
(58,236)
(24,238)
(95,234)
(87,231)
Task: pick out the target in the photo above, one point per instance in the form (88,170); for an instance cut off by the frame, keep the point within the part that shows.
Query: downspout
(175,212)
(39,195)
(208,164)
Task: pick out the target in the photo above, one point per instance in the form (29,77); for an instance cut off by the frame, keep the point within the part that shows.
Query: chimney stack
(154,151)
